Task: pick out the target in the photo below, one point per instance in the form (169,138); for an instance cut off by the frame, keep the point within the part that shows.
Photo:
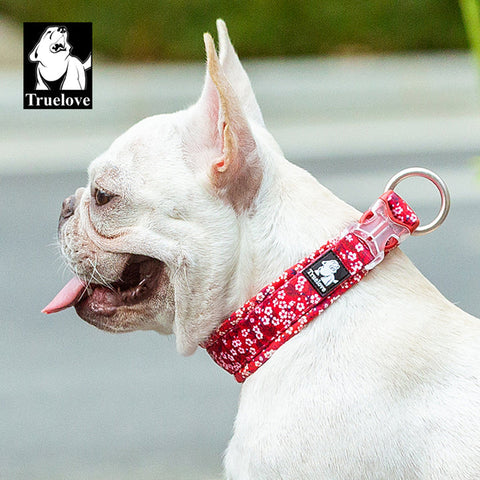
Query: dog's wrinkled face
(52,48)
(122,234)
(154,237)
(143,220)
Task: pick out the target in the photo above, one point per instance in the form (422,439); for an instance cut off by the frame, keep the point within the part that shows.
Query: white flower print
(299,286)
(315,298)
(257,332)
(397,210)
(260,297)
(357,266)
(300,307)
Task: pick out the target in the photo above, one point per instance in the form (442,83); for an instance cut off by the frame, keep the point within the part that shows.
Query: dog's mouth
(98,304)
(60,45)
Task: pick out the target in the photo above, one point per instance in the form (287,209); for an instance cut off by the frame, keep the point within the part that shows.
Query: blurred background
(352,91)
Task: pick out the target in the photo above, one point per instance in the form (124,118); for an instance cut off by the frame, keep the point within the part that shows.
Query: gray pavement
(77,403)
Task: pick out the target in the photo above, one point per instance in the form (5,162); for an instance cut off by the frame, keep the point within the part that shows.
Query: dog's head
(154,238)
(52,48)
(329,267)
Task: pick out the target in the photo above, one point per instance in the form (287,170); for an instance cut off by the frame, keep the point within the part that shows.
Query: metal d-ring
(438,182)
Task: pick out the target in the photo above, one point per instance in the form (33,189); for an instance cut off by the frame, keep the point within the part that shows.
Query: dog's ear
(236,75)
(235,170)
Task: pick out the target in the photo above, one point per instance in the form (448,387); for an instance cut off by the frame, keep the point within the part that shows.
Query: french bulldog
(188,215)
(56,68)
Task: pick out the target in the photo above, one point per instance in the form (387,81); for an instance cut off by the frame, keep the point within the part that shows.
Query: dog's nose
(62,29)
(68,207)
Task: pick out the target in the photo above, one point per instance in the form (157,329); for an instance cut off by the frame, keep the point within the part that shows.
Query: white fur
(383,385)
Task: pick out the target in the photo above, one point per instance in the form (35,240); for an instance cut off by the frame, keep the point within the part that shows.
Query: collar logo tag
(326,274)
(57,65)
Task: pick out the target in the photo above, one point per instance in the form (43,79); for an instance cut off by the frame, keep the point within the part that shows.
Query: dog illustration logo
(57,65)
(327,271)
(57,69)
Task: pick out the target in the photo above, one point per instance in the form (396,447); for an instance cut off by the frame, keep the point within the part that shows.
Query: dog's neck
(53,72)
(294,216)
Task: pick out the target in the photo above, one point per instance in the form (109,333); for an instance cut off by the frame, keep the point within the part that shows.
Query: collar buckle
(379,230)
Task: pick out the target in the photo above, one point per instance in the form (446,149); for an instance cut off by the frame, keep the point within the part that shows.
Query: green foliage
(172,29)
(471,17)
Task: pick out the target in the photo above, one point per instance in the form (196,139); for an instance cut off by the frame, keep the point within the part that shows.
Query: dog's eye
(102,197)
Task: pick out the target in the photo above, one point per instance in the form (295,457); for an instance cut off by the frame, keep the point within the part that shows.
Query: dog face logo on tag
(327,273)
(57,65)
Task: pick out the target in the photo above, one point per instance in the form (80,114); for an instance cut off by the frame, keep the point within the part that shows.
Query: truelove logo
(57,65)
(326,274)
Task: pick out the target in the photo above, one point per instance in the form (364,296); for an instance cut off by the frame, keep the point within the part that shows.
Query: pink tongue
(67,296)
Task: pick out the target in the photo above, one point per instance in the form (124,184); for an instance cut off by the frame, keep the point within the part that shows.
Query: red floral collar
(250,336)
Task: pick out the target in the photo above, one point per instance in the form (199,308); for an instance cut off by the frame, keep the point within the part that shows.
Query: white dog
(57,69)
(188,215)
